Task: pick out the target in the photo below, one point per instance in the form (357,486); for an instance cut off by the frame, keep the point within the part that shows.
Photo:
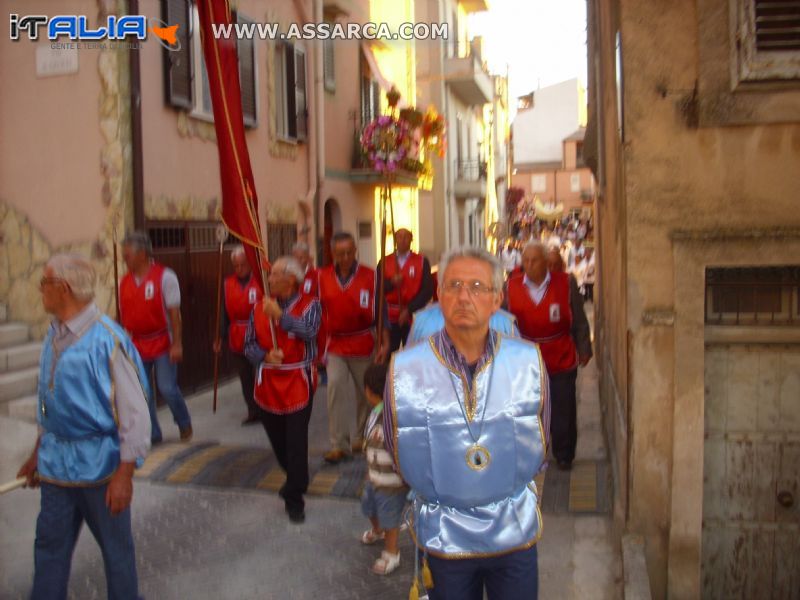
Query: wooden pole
(222,234)
(382,278)
(12,485)
(266,294)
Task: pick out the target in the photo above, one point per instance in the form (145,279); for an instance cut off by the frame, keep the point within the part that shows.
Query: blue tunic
(79,444)
(430,320)
(460,511)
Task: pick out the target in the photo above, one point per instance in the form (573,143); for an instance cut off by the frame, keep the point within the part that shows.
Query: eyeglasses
(45,280)
(475,288)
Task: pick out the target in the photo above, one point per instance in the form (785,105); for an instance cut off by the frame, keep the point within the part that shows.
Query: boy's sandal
(387,563)
(370,536)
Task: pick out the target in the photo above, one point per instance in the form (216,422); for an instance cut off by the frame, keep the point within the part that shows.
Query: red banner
(239,200)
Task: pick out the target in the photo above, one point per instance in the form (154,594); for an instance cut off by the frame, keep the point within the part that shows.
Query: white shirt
(402,258)
(537,292)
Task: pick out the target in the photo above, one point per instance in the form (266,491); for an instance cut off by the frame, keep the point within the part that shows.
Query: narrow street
(231,539)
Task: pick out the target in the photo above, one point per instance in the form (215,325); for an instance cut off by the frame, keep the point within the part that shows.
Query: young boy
(384,497)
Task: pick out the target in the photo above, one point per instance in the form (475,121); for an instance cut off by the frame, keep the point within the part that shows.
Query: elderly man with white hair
(94,427)
(549,310)
(286,376)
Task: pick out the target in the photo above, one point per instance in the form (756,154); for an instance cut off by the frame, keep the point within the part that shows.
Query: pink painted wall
(50,139)
(176,166)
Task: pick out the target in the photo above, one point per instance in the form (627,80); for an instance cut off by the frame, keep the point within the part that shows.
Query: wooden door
(751,494)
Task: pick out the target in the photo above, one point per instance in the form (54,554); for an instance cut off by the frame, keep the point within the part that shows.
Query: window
(767,39)
(575,182)
(370,95)
(280,238)
(329,65)
(183,89)
(290,92)
(753,296)
(538,183)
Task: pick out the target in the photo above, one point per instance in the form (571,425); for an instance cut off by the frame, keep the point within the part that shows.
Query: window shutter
(289,90)
(178,64)
(300,94)
(329,65)
(247,76)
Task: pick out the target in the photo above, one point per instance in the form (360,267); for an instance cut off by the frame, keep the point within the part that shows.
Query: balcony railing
(471,170)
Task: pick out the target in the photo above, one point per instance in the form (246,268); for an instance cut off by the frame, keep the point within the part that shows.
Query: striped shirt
(380,465)
(455,360)
(304,327)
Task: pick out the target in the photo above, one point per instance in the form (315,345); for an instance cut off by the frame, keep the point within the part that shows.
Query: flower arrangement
(405,139)
(387,143)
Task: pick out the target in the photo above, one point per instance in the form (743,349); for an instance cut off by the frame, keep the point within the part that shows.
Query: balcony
(470,179)
(467,76)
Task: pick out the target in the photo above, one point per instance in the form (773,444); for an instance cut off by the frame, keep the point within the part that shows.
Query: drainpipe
(137,168)
(319,123)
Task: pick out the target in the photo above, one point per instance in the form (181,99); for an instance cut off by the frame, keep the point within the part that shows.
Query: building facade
(116,140)
(568,181)
(694,135)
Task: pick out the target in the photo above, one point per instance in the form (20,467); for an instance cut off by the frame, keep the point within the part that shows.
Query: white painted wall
(539,131)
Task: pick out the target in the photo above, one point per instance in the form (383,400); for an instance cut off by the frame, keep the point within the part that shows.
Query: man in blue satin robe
(467,422)
(94,427)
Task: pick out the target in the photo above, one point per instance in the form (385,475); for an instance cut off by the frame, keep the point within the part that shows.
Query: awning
(385,84)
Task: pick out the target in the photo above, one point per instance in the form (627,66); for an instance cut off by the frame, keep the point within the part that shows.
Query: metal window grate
(777,25)
(280,239)
(753,296)
(167,237)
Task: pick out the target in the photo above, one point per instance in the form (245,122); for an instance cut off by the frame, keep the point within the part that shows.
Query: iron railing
(753,296)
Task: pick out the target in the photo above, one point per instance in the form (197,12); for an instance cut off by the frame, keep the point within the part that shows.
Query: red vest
(348,311)
(239,303)
(284,388)
(142,312)
(547,323)
(408,288)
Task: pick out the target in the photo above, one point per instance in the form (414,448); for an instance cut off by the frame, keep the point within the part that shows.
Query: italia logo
(76,28)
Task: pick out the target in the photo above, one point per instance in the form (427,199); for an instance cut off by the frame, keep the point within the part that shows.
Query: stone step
(17,384)
(19,357)
(12,334)
(23,409)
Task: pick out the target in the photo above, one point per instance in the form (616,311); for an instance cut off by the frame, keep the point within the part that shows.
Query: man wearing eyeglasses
(94,428)
(467,418)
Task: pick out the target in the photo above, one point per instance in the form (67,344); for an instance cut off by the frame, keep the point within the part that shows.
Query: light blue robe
(459,511)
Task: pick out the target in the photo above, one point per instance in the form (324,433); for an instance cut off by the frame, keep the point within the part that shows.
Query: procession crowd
(464,385)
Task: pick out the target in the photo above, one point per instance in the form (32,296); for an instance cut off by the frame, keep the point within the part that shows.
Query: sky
(542,41)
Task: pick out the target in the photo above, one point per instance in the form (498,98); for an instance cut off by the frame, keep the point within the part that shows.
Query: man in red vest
(286,375)
(548,312)
(242,293)
(150,310)
(349,309)
(408,286)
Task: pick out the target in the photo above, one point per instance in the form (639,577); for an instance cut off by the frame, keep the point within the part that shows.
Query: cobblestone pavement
(199,542)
